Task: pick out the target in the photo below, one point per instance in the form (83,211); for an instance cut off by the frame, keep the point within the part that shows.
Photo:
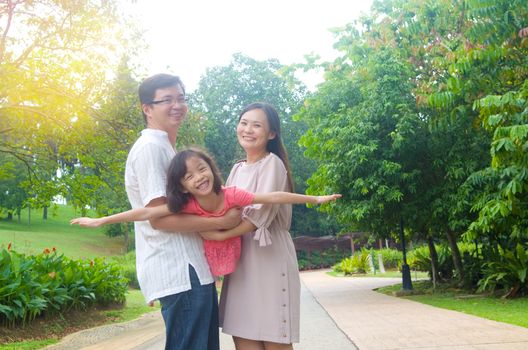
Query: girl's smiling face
(199,178)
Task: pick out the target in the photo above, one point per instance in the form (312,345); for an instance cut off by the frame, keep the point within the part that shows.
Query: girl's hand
(86,222)
(328,198)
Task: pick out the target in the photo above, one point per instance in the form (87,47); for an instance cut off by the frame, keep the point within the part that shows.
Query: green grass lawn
(76,243)
(512,311)
(73,241)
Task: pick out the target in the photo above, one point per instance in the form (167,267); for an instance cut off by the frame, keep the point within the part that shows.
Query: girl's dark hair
(177,198)
(274,145)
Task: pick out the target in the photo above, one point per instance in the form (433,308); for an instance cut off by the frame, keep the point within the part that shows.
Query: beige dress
(261,299)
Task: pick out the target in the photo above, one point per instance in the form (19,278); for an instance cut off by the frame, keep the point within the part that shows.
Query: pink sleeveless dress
(222,256)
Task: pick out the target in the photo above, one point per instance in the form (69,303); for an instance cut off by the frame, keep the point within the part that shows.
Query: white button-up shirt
(162,258)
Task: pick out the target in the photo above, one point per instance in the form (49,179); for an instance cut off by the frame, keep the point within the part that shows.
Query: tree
(52,57)
(454,54)
(12,195)
(362,129)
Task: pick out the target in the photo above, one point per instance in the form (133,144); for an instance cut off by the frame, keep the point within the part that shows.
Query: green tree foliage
(487,75)
(103,149)
(53,55)
(357,135)
(406,148)
(12,196)
(503,205)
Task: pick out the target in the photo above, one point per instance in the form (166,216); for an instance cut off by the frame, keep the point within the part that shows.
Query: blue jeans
(191,317)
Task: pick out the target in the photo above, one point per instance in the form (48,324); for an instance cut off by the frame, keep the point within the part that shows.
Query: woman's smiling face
(253,131)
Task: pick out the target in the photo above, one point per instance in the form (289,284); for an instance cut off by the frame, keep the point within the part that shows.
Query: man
(171,266)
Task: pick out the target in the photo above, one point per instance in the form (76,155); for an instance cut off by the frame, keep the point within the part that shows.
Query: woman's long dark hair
(274,145)
(177,197)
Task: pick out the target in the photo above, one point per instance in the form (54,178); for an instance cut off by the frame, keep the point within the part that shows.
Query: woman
(260,301)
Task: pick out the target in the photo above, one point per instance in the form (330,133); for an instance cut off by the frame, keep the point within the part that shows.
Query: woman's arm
(291,198)
(138,214)
(243,228)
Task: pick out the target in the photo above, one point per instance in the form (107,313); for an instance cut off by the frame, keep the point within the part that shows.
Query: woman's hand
(86,222)
(328,198)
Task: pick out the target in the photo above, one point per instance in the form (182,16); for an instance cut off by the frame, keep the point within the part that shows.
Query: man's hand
(231,219)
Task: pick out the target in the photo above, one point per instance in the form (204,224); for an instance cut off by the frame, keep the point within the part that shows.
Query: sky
(186,37)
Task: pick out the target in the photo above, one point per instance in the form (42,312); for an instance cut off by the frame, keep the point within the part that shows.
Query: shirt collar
(155,132)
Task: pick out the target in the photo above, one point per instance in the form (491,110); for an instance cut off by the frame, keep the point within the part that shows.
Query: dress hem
(272,339)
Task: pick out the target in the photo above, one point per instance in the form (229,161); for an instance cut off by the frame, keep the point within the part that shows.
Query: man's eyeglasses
(170,101)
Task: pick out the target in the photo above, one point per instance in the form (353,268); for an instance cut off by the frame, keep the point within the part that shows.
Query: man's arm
(193,223)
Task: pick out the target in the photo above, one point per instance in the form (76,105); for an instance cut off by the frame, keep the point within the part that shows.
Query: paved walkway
(376,321)
(339,314)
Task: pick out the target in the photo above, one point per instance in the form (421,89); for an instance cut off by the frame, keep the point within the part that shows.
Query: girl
(194,186)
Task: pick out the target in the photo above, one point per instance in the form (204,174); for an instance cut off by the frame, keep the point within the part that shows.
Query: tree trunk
(434,260)
(45,213)
(380,263)
(455,252)
(9,216)
(352,246)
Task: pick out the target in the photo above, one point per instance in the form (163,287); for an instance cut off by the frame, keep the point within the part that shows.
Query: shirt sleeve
(271,177)
(150,167)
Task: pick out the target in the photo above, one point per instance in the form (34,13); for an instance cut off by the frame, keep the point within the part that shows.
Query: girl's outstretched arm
(138,214)
(292,198)
(267,198)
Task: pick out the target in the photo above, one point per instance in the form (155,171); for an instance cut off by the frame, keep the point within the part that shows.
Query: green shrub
(472,264)
(106,280)
(419,259)
(320,259)
(304,264)
(358,263)
(391,257)
(49,282)
(127,264)
(509,271)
